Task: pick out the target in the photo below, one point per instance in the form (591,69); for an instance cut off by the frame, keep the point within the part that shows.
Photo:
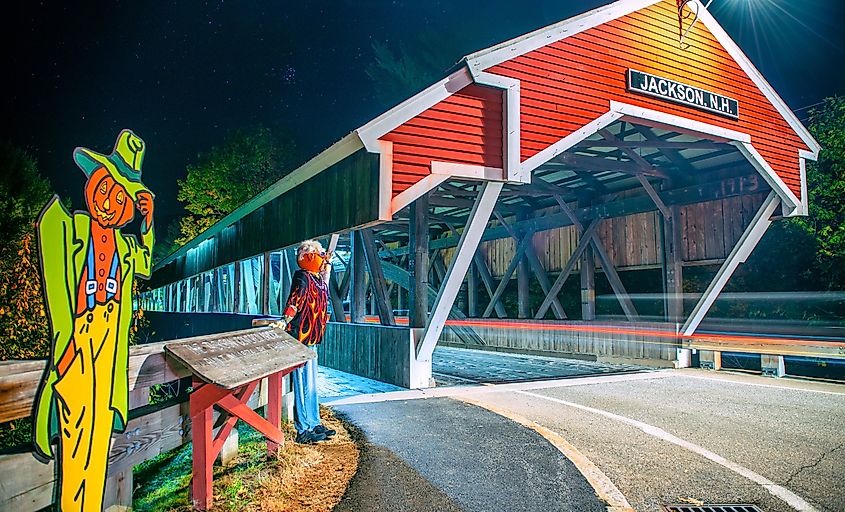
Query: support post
(673,269)
(472,292)
(380,294)
(338,315)
(236,294)
(471,237)
(201,426)
(274,406)
(418,263)
(265,285)
(747,242)
(358,304)
(588,285)
(522,290)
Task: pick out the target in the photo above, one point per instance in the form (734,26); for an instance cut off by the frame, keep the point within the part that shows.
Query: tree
(826,184)
(23,192)
(229,175)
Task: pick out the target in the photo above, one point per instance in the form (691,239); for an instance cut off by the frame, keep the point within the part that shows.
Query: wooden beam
(338,314)
(650,144)
(438,266)
(607,265)
(729,187)
(472,291)
(503,283)
(588,285)
(418,264)
(467,247)
(583,243)
(523,295)
(658,201)
(380,294)
(615,282)
(537,268)
(265,284)
(669,153)
(358,302)
(673,270)
(747,242)
(486,276)
(589,163)
(236,280)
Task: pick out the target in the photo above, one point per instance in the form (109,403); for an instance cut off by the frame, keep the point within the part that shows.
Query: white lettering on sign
(677,92)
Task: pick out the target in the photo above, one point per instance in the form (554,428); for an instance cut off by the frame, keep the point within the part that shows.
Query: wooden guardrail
(27,484)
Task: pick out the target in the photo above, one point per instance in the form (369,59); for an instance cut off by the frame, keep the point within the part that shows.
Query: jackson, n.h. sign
(677,92)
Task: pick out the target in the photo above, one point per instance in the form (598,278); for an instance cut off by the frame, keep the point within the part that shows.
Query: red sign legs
(206,445)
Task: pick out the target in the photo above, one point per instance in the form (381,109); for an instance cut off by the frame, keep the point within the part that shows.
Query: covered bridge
(635,136)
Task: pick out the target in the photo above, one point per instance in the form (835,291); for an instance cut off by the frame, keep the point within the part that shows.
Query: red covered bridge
(605,142)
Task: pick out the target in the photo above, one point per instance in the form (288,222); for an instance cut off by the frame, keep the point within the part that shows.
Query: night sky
(184,74)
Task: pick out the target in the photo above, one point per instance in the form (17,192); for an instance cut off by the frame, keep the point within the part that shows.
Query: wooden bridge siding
(627,342)
(464,128)
(569,83)
(709,232)
(374,351)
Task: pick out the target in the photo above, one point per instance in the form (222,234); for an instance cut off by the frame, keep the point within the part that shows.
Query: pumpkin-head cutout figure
(108,201)
(114,187)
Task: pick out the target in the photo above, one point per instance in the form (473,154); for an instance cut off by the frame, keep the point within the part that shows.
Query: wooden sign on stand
(226,369)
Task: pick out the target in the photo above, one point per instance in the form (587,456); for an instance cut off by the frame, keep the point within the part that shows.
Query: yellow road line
(604,487)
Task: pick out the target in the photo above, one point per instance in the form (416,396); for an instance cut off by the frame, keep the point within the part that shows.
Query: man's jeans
(306,414)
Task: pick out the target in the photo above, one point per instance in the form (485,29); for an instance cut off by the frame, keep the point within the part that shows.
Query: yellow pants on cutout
(85,416)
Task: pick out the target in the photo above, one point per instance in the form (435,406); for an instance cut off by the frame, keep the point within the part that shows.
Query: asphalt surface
(656,437)
(443,454)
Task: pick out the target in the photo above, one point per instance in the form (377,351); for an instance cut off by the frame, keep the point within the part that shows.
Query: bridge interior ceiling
(607,166)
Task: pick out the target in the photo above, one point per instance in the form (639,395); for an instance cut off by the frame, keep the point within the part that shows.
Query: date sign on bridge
(226,370)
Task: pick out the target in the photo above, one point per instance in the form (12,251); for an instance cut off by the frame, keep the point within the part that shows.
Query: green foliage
(227,176)
(23,192)
(16,433)
(826,183)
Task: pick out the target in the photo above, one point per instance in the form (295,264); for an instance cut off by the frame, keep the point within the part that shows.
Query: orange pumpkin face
(108,202)
(312,262)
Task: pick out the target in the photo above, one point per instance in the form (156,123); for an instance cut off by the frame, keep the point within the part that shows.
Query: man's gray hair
(309,246)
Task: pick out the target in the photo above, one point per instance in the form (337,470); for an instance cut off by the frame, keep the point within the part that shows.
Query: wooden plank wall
(649,343)
(710,231)
(374,351)
(28,484)
(464,128)
(570,82)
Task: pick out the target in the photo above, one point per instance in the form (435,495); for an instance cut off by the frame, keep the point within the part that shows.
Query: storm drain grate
(723,507)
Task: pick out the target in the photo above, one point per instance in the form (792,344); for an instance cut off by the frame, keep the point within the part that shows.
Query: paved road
(443,454)
(659,437)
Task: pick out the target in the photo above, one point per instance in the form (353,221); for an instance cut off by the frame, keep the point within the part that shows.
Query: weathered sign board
(234,359)
(226,370)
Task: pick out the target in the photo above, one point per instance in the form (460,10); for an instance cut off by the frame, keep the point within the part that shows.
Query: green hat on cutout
(124,162)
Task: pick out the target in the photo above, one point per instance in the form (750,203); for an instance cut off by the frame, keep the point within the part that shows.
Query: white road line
(773,386)
(792,499)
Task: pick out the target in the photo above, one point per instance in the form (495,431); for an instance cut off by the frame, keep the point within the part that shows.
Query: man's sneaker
(309,437)
(320,429)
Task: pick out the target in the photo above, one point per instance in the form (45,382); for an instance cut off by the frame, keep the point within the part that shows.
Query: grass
(299,477)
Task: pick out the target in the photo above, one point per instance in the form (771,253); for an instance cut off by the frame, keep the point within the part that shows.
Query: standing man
(305,317)
(88,266)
